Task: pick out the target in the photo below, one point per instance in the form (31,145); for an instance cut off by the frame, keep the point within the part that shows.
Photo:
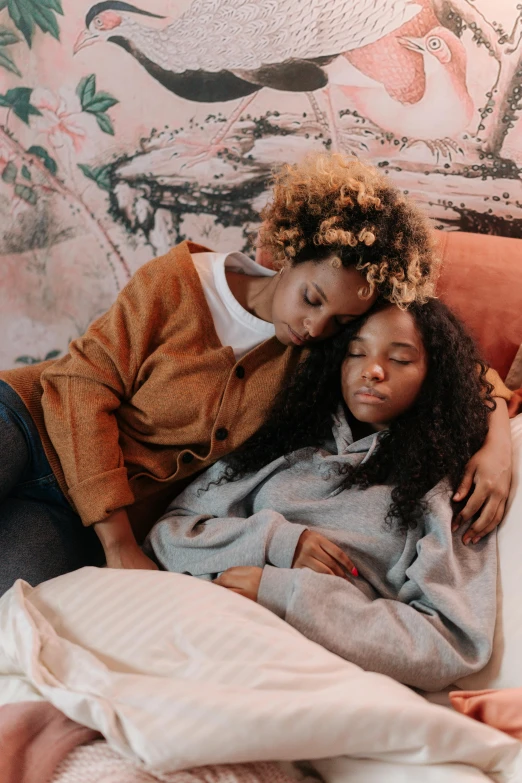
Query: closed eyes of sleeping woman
(337,514)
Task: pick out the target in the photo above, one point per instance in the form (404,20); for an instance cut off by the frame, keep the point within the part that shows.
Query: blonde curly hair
(334,207)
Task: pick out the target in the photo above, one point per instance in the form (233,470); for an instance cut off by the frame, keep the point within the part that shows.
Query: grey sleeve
(212,526)
(205,546)
(439,629)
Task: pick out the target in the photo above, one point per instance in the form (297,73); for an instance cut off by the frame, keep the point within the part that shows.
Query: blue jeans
(40,535)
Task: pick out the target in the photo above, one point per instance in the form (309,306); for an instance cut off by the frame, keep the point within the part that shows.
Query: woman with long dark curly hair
(337,514)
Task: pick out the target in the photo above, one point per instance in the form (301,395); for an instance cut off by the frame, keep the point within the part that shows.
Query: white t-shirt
(234,325)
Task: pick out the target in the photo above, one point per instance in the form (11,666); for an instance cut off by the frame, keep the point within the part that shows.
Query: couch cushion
(481,280)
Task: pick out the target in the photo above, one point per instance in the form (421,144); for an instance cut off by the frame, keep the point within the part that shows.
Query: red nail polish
(354,571)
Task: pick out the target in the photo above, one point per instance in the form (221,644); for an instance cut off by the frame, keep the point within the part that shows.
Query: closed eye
(401,361)
(307,301)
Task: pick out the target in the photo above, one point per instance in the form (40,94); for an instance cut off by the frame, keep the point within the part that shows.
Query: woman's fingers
(466,483)
(319,567)
(489,519)
(339,556)
(473,506)
(314,548)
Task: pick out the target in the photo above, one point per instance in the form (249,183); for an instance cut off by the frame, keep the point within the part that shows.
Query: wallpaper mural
(125,128)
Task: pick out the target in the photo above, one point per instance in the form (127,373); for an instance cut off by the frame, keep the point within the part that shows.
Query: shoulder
(169,278)
(439,502)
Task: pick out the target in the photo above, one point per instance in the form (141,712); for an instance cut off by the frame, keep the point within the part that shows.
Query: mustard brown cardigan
(148,396)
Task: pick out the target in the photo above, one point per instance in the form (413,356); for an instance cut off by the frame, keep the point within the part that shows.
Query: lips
(369,393)
(296,338)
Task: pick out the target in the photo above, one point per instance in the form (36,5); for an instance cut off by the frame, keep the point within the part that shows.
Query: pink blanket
(38,744)
(97,763)
(34,738)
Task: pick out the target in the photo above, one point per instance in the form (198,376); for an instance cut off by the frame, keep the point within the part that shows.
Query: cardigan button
(240,372)
(187,457)
(221,433)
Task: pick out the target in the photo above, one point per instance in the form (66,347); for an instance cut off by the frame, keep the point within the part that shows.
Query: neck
(255,294)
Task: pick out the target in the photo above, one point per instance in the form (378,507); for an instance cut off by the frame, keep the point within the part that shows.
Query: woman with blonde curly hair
(185,365)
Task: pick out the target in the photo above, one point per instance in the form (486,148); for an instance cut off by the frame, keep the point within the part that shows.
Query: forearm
(499,428)
(203,545)
(115,533)
(500,390)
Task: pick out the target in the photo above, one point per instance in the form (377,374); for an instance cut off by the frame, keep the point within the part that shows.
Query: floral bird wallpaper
(127,127)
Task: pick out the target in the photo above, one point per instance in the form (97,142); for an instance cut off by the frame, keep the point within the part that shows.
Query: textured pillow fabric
(505,667)
(481,280)
(501,709)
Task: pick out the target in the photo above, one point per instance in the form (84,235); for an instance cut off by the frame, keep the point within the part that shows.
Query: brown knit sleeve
(82,391)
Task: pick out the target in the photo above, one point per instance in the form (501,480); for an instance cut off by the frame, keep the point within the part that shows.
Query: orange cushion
(501,709)
(481,280)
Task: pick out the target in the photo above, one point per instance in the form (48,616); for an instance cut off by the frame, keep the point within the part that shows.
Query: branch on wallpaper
(232,189)
(501,112)
(32,160)
(498,115)
(451,195)
(475,19)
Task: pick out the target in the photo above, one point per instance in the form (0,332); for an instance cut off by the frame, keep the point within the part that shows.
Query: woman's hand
(489,470)
(244,580)
(130,557)
(119,544)
(316,552)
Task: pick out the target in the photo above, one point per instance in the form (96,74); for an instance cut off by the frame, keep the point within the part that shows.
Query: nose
(319,326)
(373,372)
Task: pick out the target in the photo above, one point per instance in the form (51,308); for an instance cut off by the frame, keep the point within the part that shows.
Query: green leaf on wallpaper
(86,90)
(19,100)
(105,123)
(99,174)
(101,102)
(7,36)
(26,174)
(22,18)
(27,360)
(46,20)
(41,152)
(10,172)
(26,193)
(36,359)
(94,102)
(7,63)
(28,14)
(54,5)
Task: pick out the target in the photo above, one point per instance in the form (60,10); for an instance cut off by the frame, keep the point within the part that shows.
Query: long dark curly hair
(431,441)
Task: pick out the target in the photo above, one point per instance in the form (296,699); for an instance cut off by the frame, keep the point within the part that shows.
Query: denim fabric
(40,535)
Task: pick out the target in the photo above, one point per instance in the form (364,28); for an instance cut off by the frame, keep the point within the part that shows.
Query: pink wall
(113,146)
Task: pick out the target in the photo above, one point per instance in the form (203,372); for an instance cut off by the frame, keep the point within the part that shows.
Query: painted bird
(221,50)
(444,108)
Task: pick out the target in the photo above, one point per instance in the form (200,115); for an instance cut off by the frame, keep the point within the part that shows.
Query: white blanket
(177,673)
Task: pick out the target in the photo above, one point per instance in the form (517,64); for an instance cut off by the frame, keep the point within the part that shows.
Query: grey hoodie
(423,607)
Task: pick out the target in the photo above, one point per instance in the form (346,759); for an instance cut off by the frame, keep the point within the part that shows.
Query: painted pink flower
(61,119)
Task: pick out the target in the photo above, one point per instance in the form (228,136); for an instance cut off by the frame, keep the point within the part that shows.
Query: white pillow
(177,672)
(505,667)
